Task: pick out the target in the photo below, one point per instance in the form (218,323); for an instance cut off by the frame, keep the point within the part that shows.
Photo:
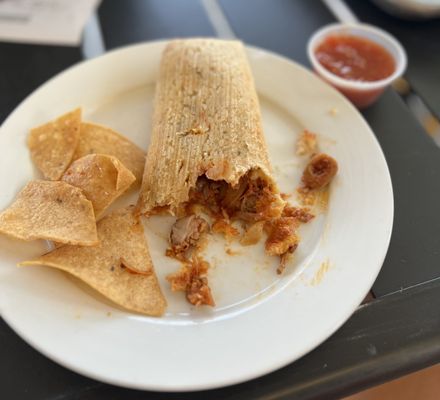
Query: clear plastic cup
(360,93)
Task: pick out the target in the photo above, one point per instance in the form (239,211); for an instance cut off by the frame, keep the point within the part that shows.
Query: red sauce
(355,58)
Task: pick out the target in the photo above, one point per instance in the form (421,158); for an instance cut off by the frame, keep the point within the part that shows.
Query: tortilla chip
(102,178)
(100,139)
(53,211)
(52,145)
(108,267)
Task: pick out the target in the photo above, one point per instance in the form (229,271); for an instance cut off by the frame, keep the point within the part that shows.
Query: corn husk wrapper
(206,121)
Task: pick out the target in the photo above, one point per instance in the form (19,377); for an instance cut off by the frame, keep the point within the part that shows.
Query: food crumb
(333,111)
(252,234)
(306,197)
(303,215)
(109,314)
(193,131)
(306,143)
(192,278)
(319,171)
(314,198)
(224,227)
(323,199)
(320,273)
(231,252)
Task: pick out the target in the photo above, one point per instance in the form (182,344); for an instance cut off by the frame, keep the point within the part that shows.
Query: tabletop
(398,329)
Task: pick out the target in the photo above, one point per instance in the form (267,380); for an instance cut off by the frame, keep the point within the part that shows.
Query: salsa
(355,58)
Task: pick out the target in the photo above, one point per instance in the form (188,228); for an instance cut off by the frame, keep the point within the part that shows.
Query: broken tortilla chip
(120,267)
(53,144)
(97,139)
(102,178)
(53,211)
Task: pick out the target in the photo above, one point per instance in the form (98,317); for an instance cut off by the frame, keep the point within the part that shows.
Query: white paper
(58,22)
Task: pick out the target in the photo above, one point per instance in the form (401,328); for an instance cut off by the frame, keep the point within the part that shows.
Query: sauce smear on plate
(355,58)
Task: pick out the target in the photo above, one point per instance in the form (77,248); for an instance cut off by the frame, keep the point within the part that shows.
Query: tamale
(207,149)
(207,137)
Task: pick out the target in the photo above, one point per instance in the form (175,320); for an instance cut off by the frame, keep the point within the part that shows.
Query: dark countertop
(151,20)
(24,67)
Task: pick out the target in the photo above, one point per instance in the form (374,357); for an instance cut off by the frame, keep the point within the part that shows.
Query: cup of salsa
(357,59)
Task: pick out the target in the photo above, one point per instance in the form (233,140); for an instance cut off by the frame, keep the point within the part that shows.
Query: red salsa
(355,58)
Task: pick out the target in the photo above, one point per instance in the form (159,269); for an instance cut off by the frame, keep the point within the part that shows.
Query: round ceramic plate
(262,321)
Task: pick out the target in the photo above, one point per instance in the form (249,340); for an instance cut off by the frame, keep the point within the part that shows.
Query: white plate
(262,321)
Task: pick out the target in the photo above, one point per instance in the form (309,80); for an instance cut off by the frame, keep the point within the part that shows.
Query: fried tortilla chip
(109,267)
(53,211)
(52,145)
(100,139)
(102,178)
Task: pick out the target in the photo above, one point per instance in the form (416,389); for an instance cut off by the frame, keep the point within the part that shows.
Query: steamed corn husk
(206,121)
